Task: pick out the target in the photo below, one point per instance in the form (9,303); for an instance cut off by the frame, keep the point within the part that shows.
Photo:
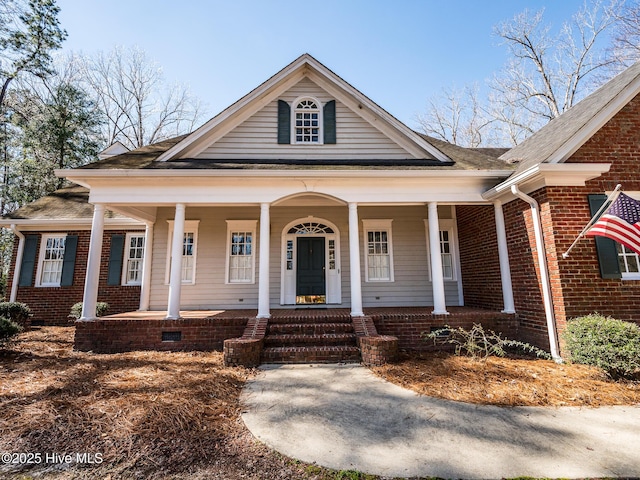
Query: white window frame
(446,225)
(627,252)
(41,259)
(190,226)
(377,225)
(241,226)
(126,258)
(295,110)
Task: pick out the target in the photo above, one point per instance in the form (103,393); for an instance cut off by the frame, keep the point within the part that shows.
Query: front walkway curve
(344,417)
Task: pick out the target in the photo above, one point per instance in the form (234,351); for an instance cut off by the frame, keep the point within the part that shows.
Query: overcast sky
(397,52)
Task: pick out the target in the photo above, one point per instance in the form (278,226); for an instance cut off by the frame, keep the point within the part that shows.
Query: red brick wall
(479,260)
(576,285)
(118,335)
(51,305)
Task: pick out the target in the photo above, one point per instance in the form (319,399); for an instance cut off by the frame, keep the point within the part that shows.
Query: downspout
(544,272)
(18,265)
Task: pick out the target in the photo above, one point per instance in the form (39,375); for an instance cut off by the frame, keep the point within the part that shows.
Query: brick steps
(311,354)
(310,340)
(312,337)
(309,328)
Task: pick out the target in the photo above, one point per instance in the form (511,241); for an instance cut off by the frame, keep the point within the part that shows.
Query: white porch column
(263,277)
(92,277)
(175,276)
(145,287)
(503,254)
(354,261)
(437,276)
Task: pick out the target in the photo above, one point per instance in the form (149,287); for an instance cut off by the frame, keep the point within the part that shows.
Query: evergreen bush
(8,329)
(16,312)
(76,310)
(607,343)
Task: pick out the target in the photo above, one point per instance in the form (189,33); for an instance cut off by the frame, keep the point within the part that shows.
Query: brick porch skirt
(207,330)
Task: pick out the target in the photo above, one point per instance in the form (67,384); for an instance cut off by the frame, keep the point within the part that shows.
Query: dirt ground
(177,415)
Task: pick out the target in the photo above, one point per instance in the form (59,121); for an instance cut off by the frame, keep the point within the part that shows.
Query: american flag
(620,222)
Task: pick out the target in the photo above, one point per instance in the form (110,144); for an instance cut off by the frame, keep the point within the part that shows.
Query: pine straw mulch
(509,381)
(149,414)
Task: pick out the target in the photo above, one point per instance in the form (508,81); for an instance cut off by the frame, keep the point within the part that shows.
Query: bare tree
(139,107)
(456,116)
(626,45)
(548,74)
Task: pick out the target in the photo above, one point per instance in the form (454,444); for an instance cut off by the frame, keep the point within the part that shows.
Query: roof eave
(547,175)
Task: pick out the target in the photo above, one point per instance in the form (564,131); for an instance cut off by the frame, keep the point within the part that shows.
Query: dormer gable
(259,124)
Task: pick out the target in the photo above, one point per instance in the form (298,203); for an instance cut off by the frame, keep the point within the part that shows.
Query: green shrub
(101,309)
(16,312)
(8,329)
(479,343)
(605,342)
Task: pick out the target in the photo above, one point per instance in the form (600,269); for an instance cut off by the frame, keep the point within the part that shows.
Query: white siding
(410,288)
(256,138)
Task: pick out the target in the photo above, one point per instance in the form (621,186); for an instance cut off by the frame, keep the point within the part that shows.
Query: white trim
(190,226)
(63,224)
(446,225)
(241,226)
(294,110)
(125,258)
(377,225)
(43,248)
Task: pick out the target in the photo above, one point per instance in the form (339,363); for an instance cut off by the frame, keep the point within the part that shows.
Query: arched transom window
(307,121)
(310,228)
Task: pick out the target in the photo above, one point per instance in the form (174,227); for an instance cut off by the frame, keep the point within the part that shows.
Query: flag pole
(605,206)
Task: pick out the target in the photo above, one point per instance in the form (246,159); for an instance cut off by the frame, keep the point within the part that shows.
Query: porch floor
(384,312)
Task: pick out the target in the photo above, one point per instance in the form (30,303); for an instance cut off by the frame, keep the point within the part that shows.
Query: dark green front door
(310,278)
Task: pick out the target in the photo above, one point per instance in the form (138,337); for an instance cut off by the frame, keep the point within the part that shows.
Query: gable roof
(561,137)
(303,66)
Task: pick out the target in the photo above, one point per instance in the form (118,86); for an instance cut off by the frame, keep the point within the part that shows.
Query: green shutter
(115,259)
(329,122)
(606,248)
(28,261)
(69,261)
(284,122)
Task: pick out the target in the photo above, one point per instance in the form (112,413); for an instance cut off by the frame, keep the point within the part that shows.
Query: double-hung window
(378,250)
(189,251)
(134,257)
(448,245)
(241,238)
(51,260)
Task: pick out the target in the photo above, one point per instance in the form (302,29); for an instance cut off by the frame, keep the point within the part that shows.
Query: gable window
(629,262)
(241,236)
(189,251)
(134,255)
(307,121)
(379,251)
(51,260)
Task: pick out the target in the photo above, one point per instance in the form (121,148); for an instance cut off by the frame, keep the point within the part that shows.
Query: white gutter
(544,272)
(18,265)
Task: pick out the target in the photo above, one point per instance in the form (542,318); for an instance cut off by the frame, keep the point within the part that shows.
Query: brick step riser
(308,340)
(307,320)
(309,329)
(311,355)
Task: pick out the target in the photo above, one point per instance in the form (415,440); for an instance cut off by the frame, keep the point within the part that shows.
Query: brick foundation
(246,351)
(123,335)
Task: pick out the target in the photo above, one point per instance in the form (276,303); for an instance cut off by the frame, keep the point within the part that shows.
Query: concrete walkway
(344,417)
